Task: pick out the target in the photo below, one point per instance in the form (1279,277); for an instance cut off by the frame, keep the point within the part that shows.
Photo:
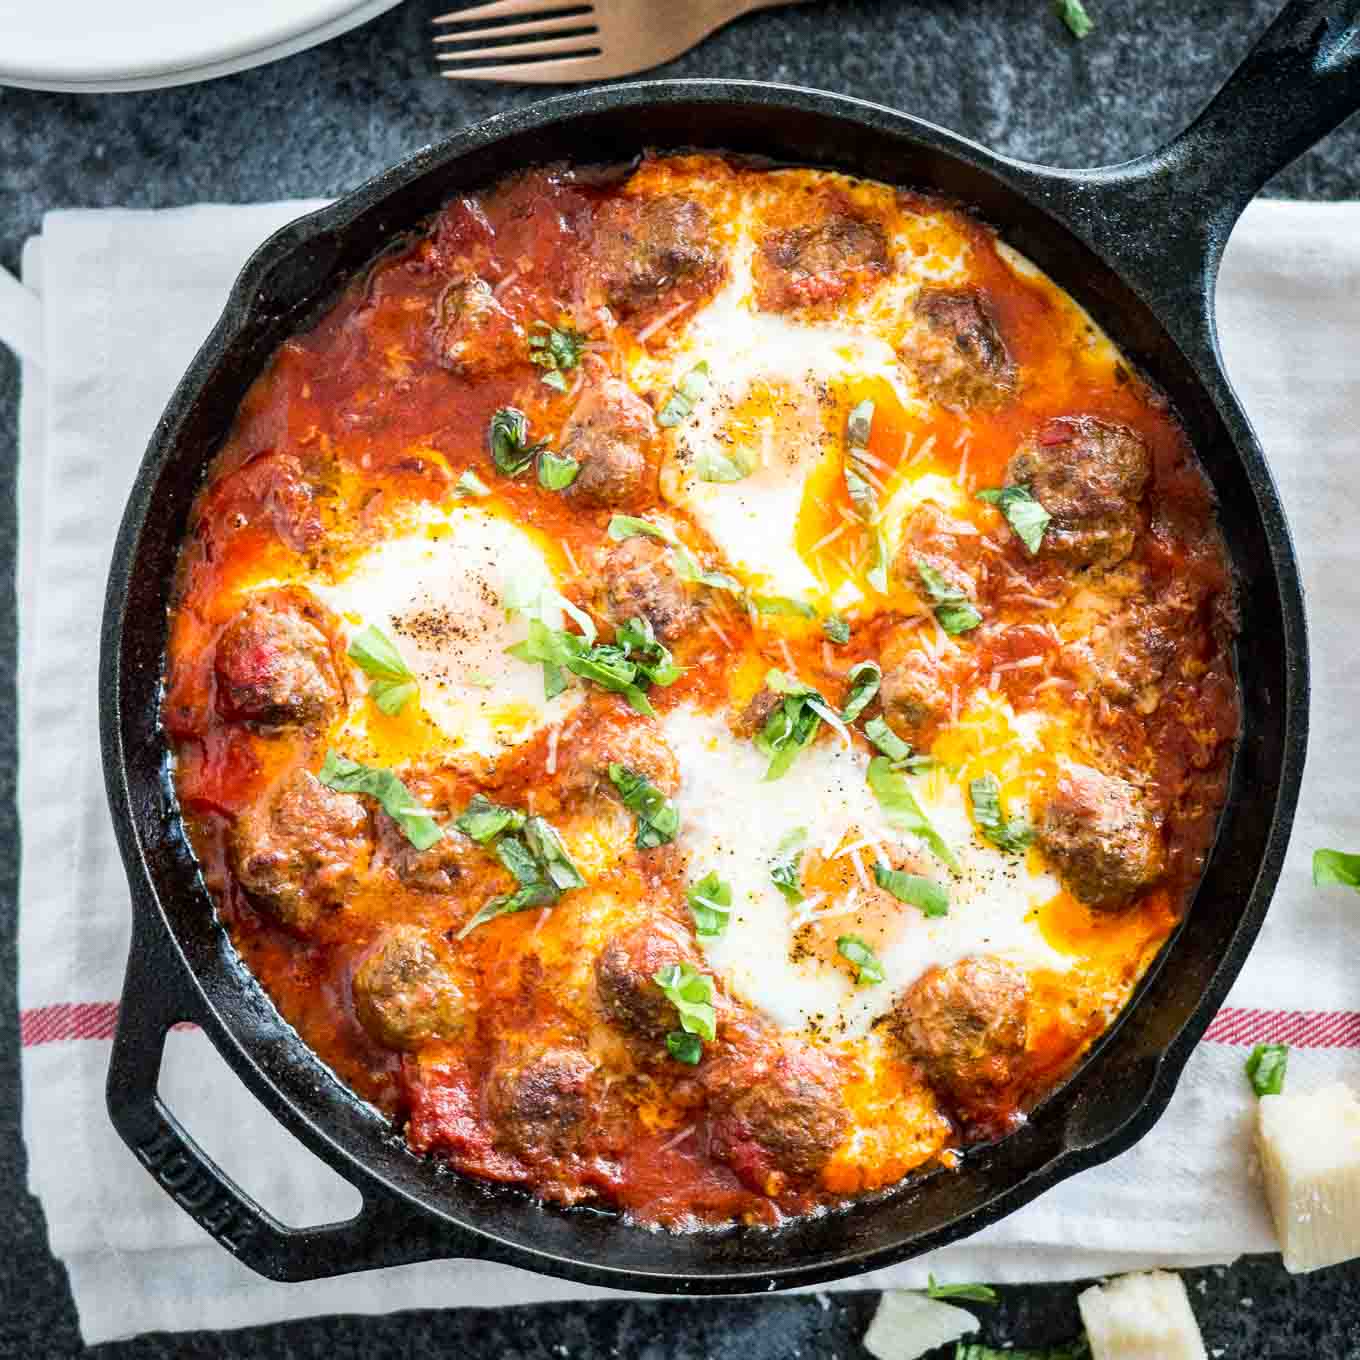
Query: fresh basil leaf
(837,630)
(622,527)
(861,491)
(914,889)
(639,642)
(786,871)
(865,679)
(791,726)
(687,569)
(868,970)
(510,448)
(691,993)
(556,472)
(658,820)
(516,856)
(483,820)
(782,604)
(1013,836)
(1336,866)
(556,349)
(537,894)
(344,775)
(975,1293)
(685,1048)
(955,611)
(681,402)
(1023,512)
(470,484)
(376,654)
(859,425)
(887,741)
(392,696)
(1073,14)
(717,465)
(902,810)
(1266,1068)
(710,903)
(552,855)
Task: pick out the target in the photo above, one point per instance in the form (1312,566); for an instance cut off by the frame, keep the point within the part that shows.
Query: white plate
(99,45)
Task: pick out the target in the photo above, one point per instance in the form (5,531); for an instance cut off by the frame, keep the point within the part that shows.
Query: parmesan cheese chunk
(907,1325)
(1141,1317)
(1310,1154)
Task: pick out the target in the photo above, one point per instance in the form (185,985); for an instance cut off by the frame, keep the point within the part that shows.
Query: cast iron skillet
(1139,245)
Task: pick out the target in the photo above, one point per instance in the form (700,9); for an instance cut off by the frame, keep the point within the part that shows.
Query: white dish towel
(113,306)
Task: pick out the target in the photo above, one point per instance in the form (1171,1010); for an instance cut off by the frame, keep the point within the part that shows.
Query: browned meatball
(606,732)
(610,434)
(639,582)
(961,358)
(1102,838)
(274,666)
(302,850)
(624,978)
(472,334)
(966,1025)
(778,1107)
(539,1101)
(404,994)
(912,695)
(1089,475)
(819,263)
(947,545)
(752,719)
(643,247)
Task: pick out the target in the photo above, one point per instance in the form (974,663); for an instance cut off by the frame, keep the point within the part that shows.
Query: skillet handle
(158,995)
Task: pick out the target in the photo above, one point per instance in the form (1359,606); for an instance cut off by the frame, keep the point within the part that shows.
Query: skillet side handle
(385,1232)
(1165,218)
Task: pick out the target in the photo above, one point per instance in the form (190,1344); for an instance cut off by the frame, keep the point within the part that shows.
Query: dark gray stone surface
(1002,71)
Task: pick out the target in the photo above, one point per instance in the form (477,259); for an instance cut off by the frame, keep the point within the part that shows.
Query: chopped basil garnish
(417,823)
(394,683)
(837,630)
(955,611)
(914,889)
(868,970)
(555,471)
(685,1048)
(657,818)
(710,902)
(623,527)
(1012,836)
(639,642)
(556,350)
(687,569)
(716,465)
(691,993)
(791,726)
(511,450)
(681,402)
(863,497)
(902,810)
(1025,515)
(975,1293)
(1336,866)
(529,848)
(470,484)
(786,871)
(782,604)
(865,679)
(483,820)
(1073,14)
(1266,1067)
(887,741)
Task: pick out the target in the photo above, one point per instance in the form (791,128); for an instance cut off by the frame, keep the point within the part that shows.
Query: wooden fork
(587,40)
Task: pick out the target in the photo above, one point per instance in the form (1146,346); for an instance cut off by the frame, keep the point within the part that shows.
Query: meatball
(820,263)
(1089,475)
(453,861)
(538,1101)
(624,978)
(404,994)
(1102,838)
(778,1107)
(911,693)
(609,732)
(947,545)
(639,582)
(609,433)
(301,851)
(471,332)
(274,666)
(274,486)
(643,247)
(960,357)
(966,1025)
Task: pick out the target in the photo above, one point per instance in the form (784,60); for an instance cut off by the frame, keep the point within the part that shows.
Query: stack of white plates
(96,45)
